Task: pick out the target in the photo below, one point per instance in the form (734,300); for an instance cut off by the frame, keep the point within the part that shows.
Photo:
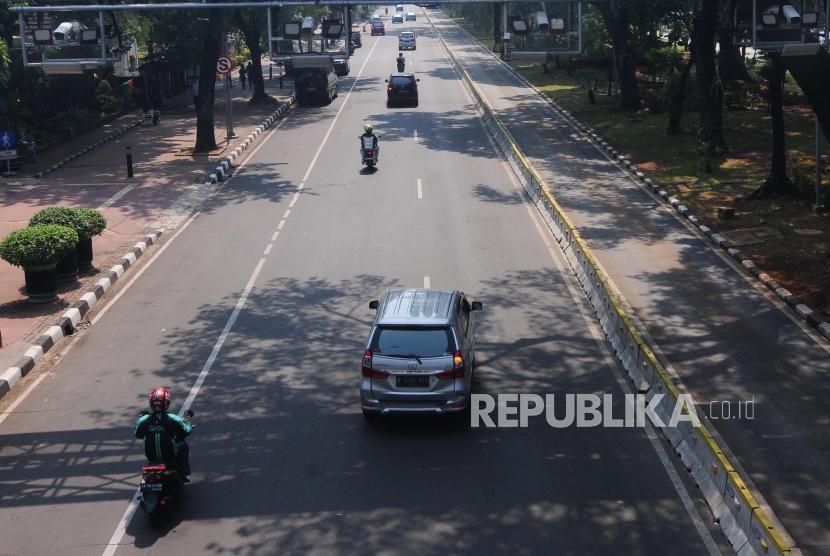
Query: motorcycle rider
(164,434)
(401,61)
(369,131)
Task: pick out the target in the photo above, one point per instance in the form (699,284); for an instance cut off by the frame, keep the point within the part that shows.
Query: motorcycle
(368,151)
(401,64)
(159,486)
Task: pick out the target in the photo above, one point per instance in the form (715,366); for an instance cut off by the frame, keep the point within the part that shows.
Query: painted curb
(88,148)
(69,320)
(223,169)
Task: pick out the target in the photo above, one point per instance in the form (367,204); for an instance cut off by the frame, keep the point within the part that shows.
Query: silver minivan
(420,353)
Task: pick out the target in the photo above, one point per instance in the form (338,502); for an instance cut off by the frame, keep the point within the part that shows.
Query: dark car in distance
(378,28)
(356,40)
(402,88)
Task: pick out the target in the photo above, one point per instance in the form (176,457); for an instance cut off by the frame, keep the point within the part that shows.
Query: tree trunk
(679,97)
(214,31)
(731,64)
(710,129)
(777,182)
(251,25)
(616,18)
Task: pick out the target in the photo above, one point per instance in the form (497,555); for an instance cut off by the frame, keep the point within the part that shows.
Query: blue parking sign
(7,140)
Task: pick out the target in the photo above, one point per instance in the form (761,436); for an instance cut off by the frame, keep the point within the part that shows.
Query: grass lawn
(799,259)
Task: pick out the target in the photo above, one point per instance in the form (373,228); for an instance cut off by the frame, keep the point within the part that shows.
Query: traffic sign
(7,139)
(8,154)
(224,65)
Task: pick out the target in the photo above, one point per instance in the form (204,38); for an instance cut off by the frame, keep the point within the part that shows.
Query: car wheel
(388,104)
(416,103)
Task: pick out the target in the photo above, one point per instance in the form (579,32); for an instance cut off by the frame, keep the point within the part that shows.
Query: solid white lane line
(426,282)
(280,225)
(420,190)
(287,213)
(337,116)
(222,337)
(268,249)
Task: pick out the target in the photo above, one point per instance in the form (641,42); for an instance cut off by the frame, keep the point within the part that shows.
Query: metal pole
(22,25)
(101,37)
(228,108)
(129,161)
(818,206)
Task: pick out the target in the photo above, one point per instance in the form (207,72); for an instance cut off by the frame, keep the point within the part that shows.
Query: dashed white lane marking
(415,135)
(294,199)
(268,249)
(280,225)
(275,236)
(426,282)
(287,213)
(420,190)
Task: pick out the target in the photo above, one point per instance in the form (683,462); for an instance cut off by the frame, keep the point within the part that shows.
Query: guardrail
(747,525)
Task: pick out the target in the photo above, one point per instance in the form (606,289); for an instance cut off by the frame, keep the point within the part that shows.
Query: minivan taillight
(366,367)
(457,368)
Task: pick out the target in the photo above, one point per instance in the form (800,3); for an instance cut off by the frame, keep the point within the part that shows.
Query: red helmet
(160,399)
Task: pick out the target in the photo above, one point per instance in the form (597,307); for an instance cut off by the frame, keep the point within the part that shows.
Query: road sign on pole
(7,139)
(8,154)
(224,65)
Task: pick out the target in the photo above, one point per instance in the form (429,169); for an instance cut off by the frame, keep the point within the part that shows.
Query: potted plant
(95,224)
(37,249)
(67,269)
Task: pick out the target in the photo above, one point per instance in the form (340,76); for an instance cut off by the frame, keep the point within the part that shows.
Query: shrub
(38,245)
(95,223)
(86,222)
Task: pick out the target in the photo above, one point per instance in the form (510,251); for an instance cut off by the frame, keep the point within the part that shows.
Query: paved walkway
(163,168)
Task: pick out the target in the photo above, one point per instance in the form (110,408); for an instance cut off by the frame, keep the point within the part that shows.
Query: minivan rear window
(399,341)
(400,81)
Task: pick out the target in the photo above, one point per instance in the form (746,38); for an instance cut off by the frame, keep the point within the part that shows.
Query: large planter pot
(85,254)
(41,283)
(67,269)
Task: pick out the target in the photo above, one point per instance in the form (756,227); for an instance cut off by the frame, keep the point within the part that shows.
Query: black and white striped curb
(69,320)
(106,139)
(224,167)
(813,318)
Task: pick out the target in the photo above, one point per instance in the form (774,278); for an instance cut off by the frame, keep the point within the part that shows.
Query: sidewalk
(163,169)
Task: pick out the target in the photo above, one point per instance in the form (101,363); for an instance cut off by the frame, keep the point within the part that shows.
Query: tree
(777,182)
(616,16)
(213,34)
(252,23)
(731,64)
(710,130)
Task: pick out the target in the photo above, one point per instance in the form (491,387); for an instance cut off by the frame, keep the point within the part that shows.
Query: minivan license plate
(410,381)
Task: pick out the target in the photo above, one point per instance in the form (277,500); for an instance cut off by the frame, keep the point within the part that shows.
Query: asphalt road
(727,341)
(284,462)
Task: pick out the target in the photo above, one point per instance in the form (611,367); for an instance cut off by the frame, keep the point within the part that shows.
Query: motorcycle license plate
(151,486)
